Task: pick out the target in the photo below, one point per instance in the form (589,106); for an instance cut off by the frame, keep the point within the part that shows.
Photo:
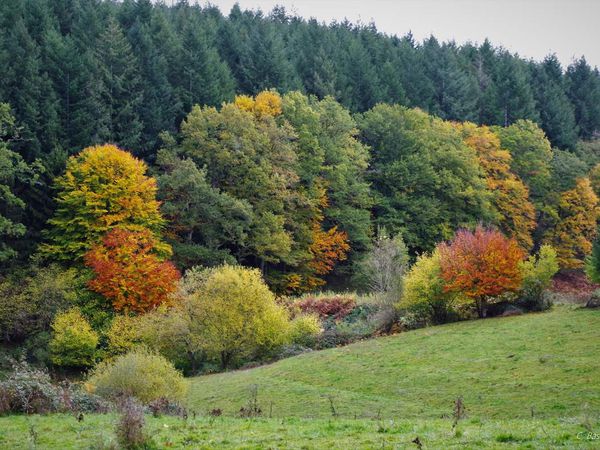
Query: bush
(537,275)
(31,391)
(141,374)
(332,307)
(130,427)
(424,298)
(73,342)
(304,330)
(236,315)
(163,406)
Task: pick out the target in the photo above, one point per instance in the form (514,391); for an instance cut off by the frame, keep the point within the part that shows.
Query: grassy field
(530,381)
(546,365)
(95,432)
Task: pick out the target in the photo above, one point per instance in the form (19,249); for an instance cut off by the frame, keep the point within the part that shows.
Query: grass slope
(398,387)
(546,365)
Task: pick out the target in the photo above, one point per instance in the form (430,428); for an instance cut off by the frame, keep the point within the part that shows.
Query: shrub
(336,307)
(424,298)
(141,374)
(236,315)
(30,390)
(130,427)
(304,330)
(164,406)
(537,275)
(73,342)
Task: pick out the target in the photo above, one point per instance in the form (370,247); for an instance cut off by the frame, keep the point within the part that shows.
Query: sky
(531,28)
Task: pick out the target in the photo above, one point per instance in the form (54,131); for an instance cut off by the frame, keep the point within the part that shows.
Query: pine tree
(556,112)
(120,90)
(584,92)
(159,108)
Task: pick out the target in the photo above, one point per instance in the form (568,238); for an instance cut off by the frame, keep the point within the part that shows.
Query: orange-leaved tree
(481,265)
(326,248)
(128,271)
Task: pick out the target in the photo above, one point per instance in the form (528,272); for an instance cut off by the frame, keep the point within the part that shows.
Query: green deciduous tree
(428,181)
(531,156)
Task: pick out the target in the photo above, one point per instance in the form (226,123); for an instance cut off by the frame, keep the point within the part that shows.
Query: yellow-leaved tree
(574,226)
(103,187)
(510,196)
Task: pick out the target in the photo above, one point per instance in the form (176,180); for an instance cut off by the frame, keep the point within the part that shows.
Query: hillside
(542,364)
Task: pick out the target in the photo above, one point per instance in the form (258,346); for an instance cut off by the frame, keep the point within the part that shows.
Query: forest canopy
(280,143)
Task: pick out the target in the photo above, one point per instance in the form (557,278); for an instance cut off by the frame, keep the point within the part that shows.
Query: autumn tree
(129,273)
(481,265)
(510,197)
(103,187)
(531,156)
(266,104)
(326,249)
(574,226)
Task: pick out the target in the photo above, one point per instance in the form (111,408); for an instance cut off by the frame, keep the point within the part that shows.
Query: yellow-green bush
(236,314)
(73,342)
(304,330)
(140,373)
(537,272)
(424,291)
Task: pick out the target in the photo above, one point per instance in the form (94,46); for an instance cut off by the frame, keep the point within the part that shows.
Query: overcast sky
(532,28)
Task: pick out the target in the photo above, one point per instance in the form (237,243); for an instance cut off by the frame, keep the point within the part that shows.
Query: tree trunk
(225,359)
(482,307)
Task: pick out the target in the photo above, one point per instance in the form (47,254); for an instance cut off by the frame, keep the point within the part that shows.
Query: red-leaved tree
(481,265)
(129,273)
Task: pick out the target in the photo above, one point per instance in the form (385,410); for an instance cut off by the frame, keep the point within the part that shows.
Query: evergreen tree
(556,112)
(120,90)
(584,93)
(15,174)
